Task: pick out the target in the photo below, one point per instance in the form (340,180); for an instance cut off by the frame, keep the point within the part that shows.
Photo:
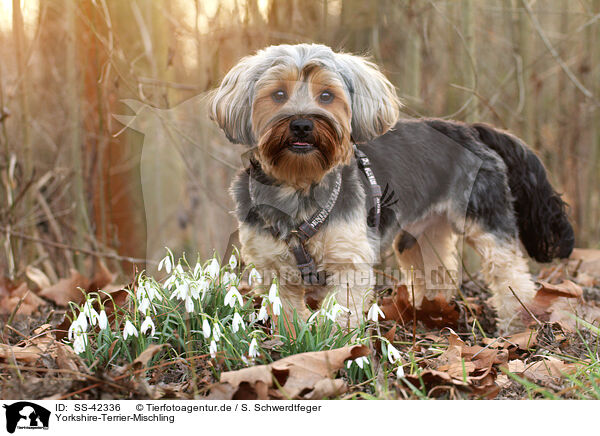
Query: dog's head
(303,105)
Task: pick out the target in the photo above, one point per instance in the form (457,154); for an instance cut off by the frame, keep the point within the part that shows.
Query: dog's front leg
(348,259)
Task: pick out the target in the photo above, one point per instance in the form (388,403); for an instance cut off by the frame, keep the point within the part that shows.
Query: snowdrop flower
(129,330)
(102,320)
(212,270)
(254,276)
(181,291)
(237,323)
(361,362)
(80,342)
(216,331)
(232,261)
(392,353)
(314,316)
(144,305)
(166,261)
(206,329)
(82,321)
(201,285)
(263,315)
(148,324)
(231,297)
(213,349)
(374,313)
(189,304)
(170,282)
(253,351)
(273,292)
(274,299)
(400,372)
(197,270)
(76,328)
(335,311)
(90,312)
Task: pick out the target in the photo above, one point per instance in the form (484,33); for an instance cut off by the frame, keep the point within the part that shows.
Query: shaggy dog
(318,210)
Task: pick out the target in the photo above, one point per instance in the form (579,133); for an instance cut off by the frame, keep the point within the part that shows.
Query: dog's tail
(544,227)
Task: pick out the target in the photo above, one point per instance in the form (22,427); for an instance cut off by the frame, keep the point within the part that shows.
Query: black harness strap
(375,190)
(308,228)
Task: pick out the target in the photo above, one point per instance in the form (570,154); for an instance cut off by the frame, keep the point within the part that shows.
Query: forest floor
(448,350)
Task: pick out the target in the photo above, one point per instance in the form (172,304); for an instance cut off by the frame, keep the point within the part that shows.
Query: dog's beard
(300,170)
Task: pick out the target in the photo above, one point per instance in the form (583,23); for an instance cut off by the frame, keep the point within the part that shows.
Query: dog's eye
(326,97)
(279,96)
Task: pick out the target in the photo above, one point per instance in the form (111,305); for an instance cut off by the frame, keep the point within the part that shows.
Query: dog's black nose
(301,127)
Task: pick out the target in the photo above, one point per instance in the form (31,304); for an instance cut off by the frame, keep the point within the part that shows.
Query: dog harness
(308,228)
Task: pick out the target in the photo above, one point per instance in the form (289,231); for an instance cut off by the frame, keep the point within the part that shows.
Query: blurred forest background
(76,183)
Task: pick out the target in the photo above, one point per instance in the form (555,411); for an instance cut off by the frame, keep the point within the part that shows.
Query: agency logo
(26,415)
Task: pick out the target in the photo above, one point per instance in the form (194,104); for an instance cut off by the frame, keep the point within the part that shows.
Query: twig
(556,56)
(77,249)
(525,307)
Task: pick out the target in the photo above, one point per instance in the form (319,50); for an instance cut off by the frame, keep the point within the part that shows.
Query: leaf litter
(450,356)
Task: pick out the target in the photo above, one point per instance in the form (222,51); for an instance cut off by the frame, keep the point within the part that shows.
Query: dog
(335,178)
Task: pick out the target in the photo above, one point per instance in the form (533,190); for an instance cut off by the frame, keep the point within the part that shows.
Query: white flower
(76,328)
(181,291)
(166,261)
(335,311)
(197,270)
(253,351)
(360,361)
(273,293)
(254,276)
(263,315)
(374,313)
(82,321)
(392,353)
(148,324)
(102,320)
(200,286)
(314,316)
(400,372)
(276,306)
(232,261)
(231,297)
(129,330)
(146,290)
(206,328)
(213,349)
(90,312)
(144,305)
(189,304)
(237,323)
(80,342)
(216,331)
(212,270)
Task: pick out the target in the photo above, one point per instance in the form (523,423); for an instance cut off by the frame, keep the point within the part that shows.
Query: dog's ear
(375,105)
(231,103)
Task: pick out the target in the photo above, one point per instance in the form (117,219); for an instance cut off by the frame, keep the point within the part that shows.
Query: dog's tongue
(301,143)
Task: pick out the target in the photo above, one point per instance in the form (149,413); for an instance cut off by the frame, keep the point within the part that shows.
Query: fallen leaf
(301,376)
(543,371)
(564,289)
(37,276)
(436,313)
(21,296)
(77,285)
(585,260)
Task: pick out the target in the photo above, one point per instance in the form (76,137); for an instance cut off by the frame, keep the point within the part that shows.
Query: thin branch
(556,56)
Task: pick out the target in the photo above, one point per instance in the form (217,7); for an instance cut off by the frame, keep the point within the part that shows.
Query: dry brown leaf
(302,376)
(436,313)
(585,260)
(564,289)
(37,276)
(546,370)
(68,289)
(29,302)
